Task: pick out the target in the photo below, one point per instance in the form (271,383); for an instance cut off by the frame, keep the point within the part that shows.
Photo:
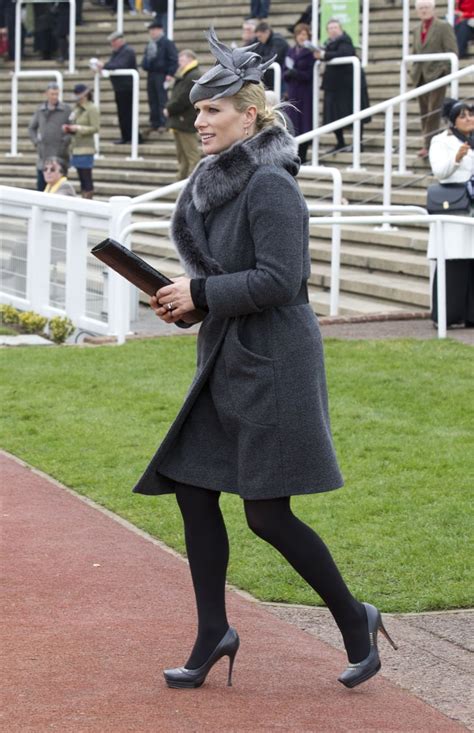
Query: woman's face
(301,37)
(220,125)
(465,122)
(334,30)
(52,172)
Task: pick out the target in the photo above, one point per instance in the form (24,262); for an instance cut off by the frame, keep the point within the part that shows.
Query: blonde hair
(254,95)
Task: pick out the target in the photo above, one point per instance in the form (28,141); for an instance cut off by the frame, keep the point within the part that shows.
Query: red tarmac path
(93,611)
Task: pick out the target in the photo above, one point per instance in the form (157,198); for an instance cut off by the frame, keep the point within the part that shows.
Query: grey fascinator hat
(233,69)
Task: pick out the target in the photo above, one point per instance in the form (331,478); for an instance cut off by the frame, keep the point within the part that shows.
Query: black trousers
(157,98)
(123,100)
(459,292)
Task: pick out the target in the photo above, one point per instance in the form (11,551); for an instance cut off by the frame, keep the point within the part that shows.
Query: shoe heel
(384,631)
(231,667)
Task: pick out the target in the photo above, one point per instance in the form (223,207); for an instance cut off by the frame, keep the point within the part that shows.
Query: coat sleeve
(442,158)
(171,58)
(33,128)
(94,123)
(277,217)
(179,101)
(344,48)
(449,40)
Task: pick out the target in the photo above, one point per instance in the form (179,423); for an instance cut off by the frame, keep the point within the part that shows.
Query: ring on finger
(170,306)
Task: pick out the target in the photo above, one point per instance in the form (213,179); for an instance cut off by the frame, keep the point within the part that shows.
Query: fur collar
(218,179)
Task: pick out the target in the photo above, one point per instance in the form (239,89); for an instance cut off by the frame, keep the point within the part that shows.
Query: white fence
(45,263)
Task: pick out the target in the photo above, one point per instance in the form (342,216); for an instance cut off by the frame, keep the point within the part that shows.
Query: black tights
(85,177)
(271,519)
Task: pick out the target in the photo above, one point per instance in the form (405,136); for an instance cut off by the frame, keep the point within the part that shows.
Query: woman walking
(255,421)
(85,122)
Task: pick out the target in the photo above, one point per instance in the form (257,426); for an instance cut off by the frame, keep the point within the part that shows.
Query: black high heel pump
(354,674)
(189,678)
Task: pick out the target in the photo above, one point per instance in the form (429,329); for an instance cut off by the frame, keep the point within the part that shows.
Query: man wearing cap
(160,60)
(46,133)
(123,57)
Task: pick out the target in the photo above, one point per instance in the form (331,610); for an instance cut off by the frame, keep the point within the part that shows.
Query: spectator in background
(464,25)
(270,44)
(61,29)
(46,131)
(298,76)
(452,161)
(84,122)
(248,32)
(10,8)
(430,35)
(181,114)
(123,57)
(338,81)
(259,9)
(160,8)
(44,25)
(160,60)
(54,172)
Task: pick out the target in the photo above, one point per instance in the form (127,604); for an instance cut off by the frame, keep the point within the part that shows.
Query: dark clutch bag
(134,269)
(448,198)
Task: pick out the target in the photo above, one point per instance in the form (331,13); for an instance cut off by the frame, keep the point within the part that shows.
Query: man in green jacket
(180,114)
(431,35)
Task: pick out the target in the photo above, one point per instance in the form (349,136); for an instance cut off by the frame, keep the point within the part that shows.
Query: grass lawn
(402,415)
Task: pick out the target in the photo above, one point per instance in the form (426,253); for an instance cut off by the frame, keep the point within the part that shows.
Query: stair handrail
(387,106)
(356,96)
(14,99)
(402,115)
(72,35)
(105,73)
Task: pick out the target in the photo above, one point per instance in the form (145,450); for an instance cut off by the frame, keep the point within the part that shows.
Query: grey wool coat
(255,421)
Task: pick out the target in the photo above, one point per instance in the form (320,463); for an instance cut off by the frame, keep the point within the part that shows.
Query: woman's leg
(273,521)
(207,547)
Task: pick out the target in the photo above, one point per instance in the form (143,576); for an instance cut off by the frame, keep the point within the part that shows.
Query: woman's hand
(173,302)
(463,150)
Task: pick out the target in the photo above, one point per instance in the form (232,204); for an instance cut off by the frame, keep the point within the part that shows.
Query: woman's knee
(267,518)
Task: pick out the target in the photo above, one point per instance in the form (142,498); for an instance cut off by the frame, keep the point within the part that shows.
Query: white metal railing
(72,35)
(98,299)
(356,95)
(105,73)
(276,81)
(365,28)
(419,58)
(14,100)
(387,107)
(63,280)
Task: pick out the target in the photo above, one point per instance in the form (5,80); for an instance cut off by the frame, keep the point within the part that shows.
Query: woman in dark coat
(298,76)
(255,421)
(338,81)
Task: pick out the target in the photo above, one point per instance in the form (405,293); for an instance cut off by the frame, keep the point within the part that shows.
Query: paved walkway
(94,610)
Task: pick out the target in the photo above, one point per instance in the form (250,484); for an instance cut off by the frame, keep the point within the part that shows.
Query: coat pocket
(251,382)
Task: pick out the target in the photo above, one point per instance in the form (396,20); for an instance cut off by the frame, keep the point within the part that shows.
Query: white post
(315,140)
(97,76)
(402,118)
(276,80)
(72,36)
(76,268)
(387,171)
(335,246)
(450,13)
(356,108)
(119,16)
(119,287)
(406,29)
(17,36)
(135,112)
(441,282)
(455,82)
(315,23)
(14,130)
(170,24)
(39,247)
(365,32)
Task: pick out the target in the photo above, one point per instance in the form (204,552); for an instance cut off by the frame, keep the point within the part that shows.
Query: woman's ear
(251,114)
